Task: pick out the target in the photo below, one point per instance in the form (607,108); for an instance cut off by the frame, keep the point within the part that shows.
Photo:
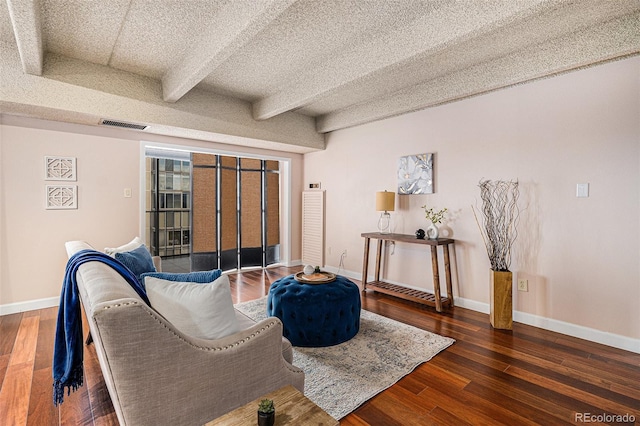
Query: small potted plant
(434,217)
(266,413)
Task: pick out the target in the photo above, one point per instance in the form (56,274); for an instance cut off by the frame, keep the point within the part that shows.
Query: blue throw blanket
(67,350)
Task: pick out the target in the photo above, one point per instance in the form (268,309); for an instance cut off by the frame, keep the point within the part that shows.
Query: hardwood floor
(488,377)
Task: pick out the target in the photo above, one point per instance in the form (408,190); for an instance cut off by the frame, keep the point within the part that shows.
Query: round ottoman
(316,314)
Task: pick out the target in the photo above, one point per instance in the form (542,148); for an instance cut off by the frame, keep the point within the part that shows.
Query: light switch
(127,192)
(582,190)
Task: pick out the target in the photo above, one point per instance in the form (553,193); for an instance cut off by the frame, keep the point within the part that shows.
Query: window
(168,210)
(222,211)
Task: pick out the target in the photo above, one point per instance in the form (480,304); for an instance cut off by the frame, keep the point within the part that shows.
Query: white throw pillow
(199,310)
(132,245)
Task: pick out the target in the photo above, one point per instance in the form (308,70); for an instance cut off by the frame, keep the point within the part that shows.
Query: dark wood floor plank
(486,357)
(579,378)
(620,368)
(102,409)
(4,363)
(468,406)
(540,397)
(400,403)
(524,376)
(15,394)
(625,377)
(417,381)
(9,325)
(611,402)
(353,420)
(491,380)
(48,313)
(370,414)
(513,348)
(514,405)
(44,347)
(439,416)
(24,350)
(109,419)
(625,390)
(76,408)
(548,342)
(41,408)
(608,352)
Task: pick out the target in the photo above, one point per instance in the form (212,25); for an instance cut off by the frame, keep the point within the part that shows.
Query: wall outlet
(582,190)
(127,192)
(523,285)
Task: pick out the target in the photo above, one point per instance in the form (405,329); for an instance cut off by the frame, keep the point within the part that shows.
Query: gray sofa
(157,375)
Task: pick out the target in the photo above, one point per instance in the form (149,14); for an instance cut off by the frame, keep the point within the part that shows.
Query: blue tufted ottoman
(316,314)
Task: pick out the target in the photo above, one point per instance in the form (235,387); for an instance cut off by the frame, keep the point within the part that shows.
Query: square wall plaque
(61,197)
(415,174)
(60,168)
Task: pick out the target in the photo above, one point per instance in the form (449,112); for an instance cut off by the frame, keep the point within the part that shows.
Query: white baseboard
(30,305)
(292,263)
(471,304)
(598,336)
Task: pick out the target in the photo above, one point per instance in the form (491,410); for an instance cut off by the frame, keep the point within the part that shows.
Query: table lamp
(385,203)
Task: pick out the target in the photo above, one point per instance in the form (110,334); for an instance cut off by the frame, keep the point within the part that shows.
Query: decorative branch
(434,216)
(500,214)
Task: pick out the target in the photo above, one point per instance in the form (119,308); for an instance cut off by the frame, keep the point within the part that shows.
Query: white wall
(32,254)
(580,255)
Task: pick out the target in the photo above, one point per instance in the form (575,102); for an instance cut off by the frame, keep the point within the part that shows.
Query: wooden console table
(403,292)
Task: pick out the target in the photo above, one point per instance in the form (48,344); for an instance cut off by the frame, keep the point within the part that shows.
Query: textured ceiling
(280,73)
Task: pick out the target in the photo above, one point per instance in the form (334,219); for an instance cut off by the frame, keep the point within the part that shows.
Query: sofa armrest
(161,376)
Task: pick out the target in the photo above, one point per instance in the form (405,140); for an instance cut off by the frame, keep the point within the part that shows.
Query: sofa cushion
(132,245)
(199,310)
(138,261)
(191,277)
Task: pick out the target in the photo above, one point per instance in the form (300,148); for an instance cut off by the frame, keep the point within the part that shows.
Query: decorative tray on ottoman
(315,278)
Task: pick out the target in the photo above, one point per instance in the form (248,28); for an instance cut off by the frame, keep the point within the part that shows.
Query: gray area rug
(340,378)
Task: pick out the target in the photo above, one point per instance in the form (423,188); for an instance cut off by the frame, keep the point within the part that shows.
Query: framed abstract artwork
(415,174)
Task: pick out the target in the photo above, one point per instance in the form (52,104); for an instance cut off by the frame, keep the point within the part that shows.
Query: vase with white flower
(435,217)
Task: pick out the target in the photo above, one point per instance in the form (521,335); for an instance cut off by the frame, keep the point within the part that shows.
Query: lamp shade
(385,201)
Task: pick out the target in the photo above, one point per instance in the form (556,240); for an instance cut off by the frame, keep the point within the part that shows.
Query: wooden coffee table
(292,408)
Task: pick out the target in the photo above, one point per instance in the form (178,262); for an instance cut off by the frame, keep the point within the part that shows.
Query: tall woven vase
(501,313)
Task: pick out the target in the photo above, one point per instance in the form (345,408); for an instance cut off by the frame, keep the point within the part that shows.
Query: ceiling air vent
(123,124)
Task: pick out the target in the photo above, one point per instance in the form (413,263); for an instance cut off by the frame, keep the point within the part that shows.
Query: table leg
(447,273)
(378,258)
(436,277)
(365,263)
